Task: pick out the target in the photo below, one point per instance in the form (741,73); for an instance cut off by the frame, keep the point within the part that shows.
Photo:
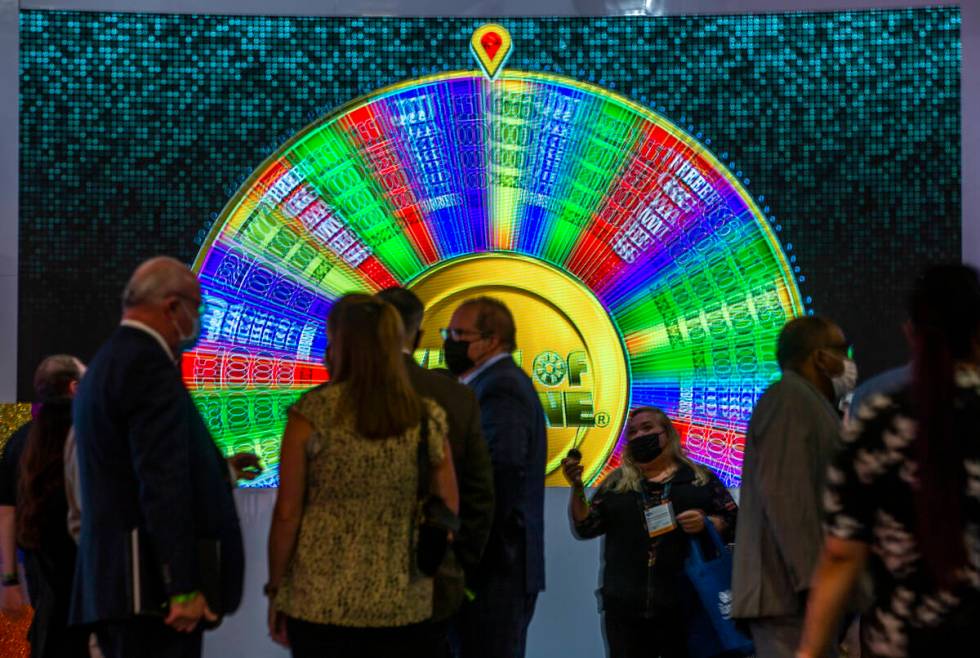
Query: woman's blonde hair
(366,336)
(630,475)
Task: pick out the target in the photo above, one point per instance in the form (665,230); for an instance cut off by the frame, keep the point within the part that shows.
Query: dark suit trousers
(147,637)
(494,625)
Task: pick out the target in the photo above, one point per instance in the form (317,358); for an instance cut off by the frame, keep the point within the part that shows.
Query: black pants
(147,637)
(439,631)
(49,585)
(495,624)
(309,640)
(636,637)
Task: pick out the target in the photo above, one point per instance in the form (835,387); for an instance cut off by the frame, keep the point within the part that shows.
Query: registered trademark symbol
(601,419)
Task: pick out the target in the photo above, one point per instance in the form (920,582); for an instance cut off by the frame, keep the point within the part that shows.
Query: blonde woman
(341,577)
(646,509)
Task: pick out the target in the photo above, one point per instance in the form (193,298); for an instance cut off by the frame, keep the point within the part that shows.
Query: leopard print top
(353,563)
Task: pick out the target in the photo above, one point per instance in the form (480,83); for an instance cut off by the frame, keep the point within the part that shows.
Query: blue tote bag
(711,631)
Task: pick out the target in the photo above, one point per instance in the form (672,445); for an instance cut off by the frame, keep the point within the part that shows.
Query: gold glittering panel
(13,627)
(12,416)
(13,633)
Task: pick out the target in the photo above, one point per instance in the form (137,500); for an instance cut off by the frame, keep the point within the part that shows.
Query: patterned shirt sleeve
(595,523)
(308,404)
(438,430)
(723,506)
(848,497)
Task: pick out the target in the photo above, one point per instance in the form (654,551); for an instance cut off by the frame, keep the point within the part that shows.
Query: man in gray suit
(471,458)
(793,434)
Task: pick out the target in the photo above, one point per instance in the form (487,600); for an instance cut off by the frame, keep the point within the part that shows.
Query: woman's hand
(691,521)
(572,469)
(277,626)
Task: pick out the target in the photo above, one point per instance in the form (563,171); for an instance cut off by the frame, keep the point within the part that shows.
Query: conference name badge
(660,519)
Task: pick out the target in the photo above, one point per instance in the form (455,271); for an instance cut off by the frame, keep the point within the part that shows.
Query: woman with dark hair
(341,577)
(647,509)
(906,490)
(42,532)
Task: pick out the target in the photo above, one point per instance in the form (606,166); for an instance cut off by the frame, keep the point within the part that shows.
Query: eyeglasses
(457,334)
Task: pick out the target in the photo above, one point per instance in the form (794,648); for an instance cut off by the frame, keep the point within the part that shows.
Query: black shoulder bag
(434,520)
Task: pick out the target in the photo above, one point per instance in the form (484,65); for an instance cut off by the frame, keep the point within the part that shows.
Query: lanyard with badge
(659,518)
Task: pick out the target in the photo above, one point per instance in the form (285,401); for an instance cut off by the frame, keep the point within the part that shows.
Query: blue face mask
(188,341)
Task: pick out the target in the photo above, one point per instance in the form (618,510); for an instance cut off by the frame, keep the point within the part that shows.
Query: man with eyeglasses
(793,435)
(158,525)
(478,344)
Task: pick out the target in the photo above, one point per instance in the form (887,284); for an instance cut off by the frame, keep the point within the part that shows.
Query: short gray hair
(154,279)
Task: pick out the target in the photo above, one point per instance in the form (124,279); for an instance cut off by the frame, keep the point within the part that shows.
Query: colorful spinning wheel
(639,269)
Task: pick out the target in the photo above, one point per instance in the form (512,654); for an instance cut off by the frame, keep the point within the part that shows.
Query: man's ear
(819,359)
(494,343)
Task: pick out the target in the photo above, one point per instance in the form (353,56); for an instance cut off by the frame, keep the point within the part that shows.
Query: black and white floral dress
(870,498)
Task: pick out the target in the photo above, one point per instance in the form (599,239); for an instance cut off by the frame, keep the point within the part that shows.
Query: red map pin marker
(491,45)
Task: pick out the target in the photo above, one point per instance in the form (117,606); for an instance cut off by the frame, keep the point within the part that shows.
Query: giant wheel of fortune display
(638,267)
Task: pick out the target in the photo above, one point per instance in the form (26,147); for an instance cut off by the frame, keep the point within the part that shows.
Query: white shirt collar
(473,374)
(136,324)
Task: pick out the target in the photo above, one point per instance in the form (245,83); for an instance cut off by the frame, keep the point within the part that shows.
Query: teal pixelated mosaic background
(136,129)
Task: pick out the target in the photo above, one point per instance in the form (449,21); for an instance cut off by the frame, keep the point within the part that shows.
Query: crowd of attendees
(409,519)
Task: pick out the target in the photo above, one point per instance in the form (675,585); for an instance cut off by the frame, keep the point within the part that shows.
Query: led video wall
(457,170)
(566,168)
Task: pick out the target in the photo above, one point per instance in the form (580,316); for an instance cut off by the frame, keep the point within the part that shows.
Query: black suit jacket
(514,427)
(473,475)
(146,460)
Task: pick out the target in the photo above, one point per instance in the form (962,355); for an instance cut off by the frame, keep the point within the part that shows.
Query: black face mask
(644,448)
(457,359)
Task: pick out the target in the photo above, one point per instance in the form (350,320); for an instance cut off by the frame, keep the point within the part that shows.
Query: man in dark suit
(478,345)
(155,491)
(470,457)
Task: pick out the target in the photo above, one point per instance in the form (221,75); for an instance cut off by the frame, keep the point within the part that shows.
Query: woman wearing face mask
(646,509)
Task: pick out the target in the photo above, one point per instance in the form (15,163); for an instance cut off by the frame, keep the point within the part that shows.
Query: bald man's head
(155,279)
(165,296)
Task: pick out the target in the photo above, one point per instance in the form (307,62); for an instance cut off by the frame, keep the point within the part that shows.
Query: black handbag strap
(422,456)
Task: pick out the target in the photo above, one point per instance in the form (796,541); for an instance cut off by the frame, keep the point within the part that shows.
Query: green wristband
(181,599)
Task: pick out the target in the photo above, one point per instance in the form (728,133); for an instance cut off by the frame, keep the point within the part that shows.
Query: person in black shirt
(904,494)
(58,373)
(646,509)
(49,551)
